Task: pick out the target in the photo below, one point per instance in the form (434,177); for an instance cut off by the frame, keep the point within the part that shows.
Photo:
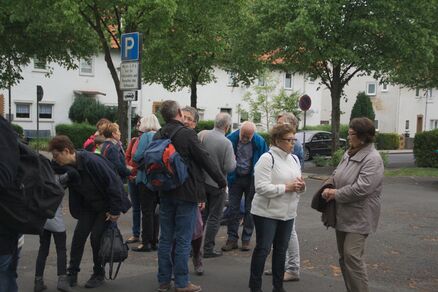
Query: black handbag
(112,249)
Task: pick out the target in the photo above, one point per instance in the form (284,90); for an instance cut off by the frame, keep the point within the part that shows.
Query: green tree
(198,41)
(42,29)
(88,110)
(362,107)
(334,40)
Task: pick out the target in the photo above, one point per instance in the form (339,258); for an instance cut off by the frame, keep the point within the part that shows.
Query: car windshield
(300,136)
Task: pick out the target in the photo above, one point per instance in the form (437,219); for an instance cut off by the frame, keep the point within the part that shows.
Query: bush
(320,160)
(385,157)
(18,129)
(265,135)
(39,144)
(337,157)
(424,146)
(387,141)
(362,107)
(204,125)
(87,110)
(77,133)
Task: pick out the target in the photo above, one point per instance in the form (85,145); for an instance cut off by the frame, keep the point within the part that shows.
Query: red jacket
(89,143)
(129,155)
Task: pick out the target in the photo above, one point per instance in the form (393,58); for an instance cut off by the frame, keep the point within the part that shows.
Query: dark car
(318,143)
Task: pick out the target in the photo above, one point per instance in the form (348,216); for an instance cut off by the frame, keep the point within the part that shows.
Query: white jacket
(271,173)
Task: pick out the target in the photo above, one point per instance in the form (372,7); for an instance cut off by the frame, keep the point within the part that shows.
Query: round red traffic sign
(305,102)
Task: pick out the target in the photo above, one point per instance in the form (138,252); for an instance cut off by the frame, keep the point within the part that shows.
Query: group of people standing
(187,219)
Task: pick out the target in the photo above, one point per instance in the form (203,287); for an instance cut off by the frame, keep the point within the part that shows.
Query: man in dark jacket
(9,158)
(178,206)
(95,197)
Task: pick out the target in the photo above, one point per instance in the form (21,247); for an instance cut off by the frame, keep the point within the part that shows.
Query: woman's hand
(329,194)
(297,185)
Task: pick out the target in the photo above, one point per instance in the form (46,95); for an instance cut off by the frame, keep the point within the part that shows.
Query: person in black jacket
(178,206)
(95,197)
(9,158)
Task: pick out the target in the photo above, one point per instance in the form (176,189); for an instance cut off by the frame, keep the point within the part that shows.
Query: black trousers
(60,239)
(149,220)
(88,222)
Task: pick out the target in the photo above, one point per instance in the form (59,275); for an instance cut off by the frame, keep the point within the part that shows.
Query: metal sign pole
(129,120)
(304,136)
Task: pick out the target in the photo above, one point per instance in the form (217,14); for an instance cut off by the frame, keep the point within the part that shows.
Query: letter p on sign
(130,46)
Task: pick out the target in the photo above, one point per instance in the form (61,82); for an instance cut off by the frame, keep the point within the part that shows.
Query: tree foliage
(43,29)
(362,107)
(197,41)
(336,40)
(87,110)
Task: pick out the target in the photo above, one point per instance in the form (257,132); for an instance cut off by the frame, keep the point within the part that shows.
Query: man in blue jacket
(248,147)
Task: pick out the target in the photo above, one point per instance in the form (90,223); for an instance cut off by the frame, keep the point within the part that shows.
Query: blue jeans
(136,213)
(8,272)
(269,232)
(177,219)
(242,185)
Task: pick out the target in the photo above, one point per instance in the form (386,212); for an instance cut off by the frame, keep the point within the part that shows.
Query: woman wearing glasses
(277,183)
(358,185)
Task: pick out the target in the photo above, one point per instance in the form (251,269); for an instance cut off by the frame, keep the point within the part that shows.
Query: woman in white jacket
(277,183)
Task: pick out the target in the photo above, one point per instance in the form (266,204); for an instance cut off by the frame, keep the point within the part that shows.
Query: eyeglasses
(290,140)
(352,134)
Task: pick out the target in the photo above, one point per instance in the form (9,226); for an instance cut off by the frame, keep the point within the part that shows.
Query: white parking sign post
(130,70)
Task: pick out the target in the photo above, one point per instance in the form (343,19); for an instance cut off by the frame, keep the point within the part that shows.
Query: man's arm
(9,153)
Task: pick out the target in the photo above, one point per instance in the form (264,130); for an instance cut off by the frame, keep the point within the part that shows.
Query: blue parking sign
(130,46)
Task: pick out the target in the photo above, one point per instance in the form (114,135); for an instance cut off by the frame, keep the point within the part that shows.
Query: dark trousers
(88,222)
(269,232)
(8,270)
(242,185)
(60,239)
(213,213)
(150,220)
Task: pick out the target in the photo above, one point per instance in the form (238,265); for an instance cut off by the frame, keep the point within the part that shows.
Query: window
(407,125)
(433,124)
(244,116)
(326,136)
(39,64)
(417,92)
(232,79)
(429,93)
(384,87)
(45,111)
(156,106)
(226,110)
(288,80)
(257,117)
(86,67)
(201,113)
(22,110)
(371,88)
(376,124)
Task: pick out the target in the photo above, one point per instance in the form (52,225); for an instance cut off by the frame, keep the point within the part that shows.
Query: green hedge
(204,125)
(387,141)
(343,129)
(265,136)
(18,129)
(424,146)
(77,133)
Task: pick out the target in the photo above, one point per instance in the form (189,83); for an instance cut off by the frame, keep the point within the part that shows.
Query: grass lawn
(412,171)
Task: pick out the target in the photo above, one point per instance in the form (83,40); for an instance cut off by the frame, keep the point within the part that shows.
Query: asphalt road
(401,256)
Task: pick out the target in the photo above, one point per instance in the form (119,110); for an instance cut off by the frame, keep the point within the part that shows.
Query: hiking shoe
(72,279)
(212,254)
(290,277)
(143,247)
(133,239)
(39,285)
(245,246)
(164,287)
(190,288)
(230,245)
(197,264)
(63,284)
(95,281)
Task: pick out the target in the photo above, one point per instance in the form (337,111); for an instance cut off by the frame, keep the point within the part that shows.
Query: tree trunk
(336,93)
(193,92)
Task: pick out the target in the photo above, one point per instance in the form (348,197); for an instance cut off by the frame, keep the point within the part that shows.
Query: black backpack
(35,195)
(112,249)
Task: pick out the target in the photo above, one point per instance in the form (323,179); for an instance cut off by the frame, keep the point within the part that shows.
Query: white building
(397,109)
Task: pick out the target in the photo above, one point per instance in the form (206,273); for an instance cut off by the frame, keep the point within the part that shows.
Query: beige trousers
(351,247)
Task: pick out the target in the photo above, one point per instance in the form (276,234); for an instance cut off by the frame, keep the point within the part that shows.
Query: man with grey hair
(178,206)
(248,147)
(221,151)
